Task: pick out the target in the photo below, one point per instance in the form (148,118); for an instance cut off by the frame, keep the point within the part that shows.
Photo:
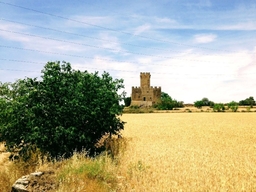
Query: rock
(37,174)
(35,182)
(21,184)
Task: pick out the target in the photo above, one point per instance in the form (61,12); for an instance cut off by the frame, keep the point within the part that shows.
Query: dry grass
(190,152)
(10,171)
(78,173)
(165,152)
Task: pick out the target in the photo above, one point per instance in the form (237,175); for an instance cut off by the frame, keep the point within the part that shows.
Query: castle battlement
(155,87)
(145,93)
(144,73)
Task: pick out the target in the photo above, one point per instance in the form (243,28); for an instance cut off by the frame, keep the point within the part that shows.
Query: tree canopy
(248,102)
(167,103)
(203,102)
(65,111)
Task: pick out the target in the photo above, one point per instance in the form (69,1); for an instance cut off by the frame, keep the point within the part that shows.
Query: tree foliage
(127,101)
(233,106)
(198,104)
(219,107)
(248,102)
(167,103)
(203,102)
(67,110)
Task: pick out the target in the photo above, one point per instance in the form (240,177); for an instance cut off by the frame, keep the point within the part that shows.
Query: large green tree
(203,102)
(65,111)
(248,101)
(167,103)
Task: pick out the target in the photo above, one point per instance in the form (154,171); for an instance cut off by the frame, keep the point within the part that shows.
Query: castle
(145,95)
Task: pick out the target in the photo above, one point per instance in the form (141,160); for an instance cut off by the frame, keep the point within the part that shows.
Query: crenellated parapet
(135,88)
(145,93)
(155,88)
(145,74)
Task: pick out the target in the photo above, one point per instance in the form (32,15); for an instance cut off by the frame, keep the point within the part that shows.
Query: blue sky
(193,49)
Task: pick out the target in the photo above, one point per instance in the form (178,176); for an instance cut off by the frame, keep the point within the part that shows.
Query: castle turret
(145,95)
(145,80)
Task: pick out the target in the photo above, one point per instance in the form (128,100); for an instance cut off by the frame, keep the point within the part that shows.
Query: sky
(192,48)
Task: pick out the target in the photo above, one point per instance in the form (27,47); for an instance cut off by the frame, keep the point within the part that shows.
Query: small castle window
(144,99)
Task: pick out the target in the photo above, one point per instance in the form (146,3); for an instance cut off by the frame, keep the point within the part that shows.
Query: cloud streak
(204,38)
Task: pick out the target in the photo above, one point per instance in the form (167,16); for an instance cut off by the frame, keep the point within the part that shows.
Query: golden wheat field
(189,152)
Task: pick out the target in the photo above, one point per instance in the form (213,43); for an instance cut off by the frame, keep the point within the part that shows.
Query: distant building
(145,95)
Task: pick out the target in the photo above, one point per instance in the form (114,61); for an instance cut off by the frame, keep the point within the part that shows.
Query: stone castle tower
(145,95)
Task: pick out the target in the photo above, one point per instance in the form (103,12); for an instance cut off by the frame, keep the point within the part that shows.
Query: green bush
(66,110)
(127,101)
(198,104)
(203,102)
(219,107)
(167,103)
(233,106)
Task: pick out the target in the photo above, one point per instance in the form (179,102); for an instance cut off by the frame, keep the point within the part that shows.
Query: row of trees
(221,107)
(247,102)
(65,111)
(167,103)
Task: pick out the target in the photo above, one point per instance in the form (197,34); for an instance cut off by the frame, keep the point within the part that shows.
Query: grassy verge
(79,173)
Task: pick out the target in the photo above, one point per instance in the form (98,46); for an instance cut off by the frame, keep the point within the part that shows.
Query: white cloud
(245,26)
(17,33)
(111,42)
(11,26)
(6,32)
(249,69)
(195,76)
(204,38)
(142,29)
(164,20)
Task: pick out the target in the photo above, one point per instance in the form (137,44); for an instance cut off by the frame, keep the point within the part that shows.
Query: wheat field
(189,152)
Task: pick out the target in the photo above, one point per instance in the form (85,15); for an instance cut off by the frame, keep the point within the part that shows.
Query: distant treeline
(167,103)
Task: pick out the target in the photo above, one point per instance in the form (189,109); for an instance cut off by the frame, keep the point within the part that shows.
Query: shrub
(219,107)
(134,107)
(127,101)
(167,103)
(248,109)
(203,102)
(198,104)
(67,110)
(233,106)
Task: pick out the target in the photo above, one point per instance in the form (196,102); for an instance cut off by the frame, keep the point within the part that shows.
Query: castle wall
(142,103)
(145,95)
